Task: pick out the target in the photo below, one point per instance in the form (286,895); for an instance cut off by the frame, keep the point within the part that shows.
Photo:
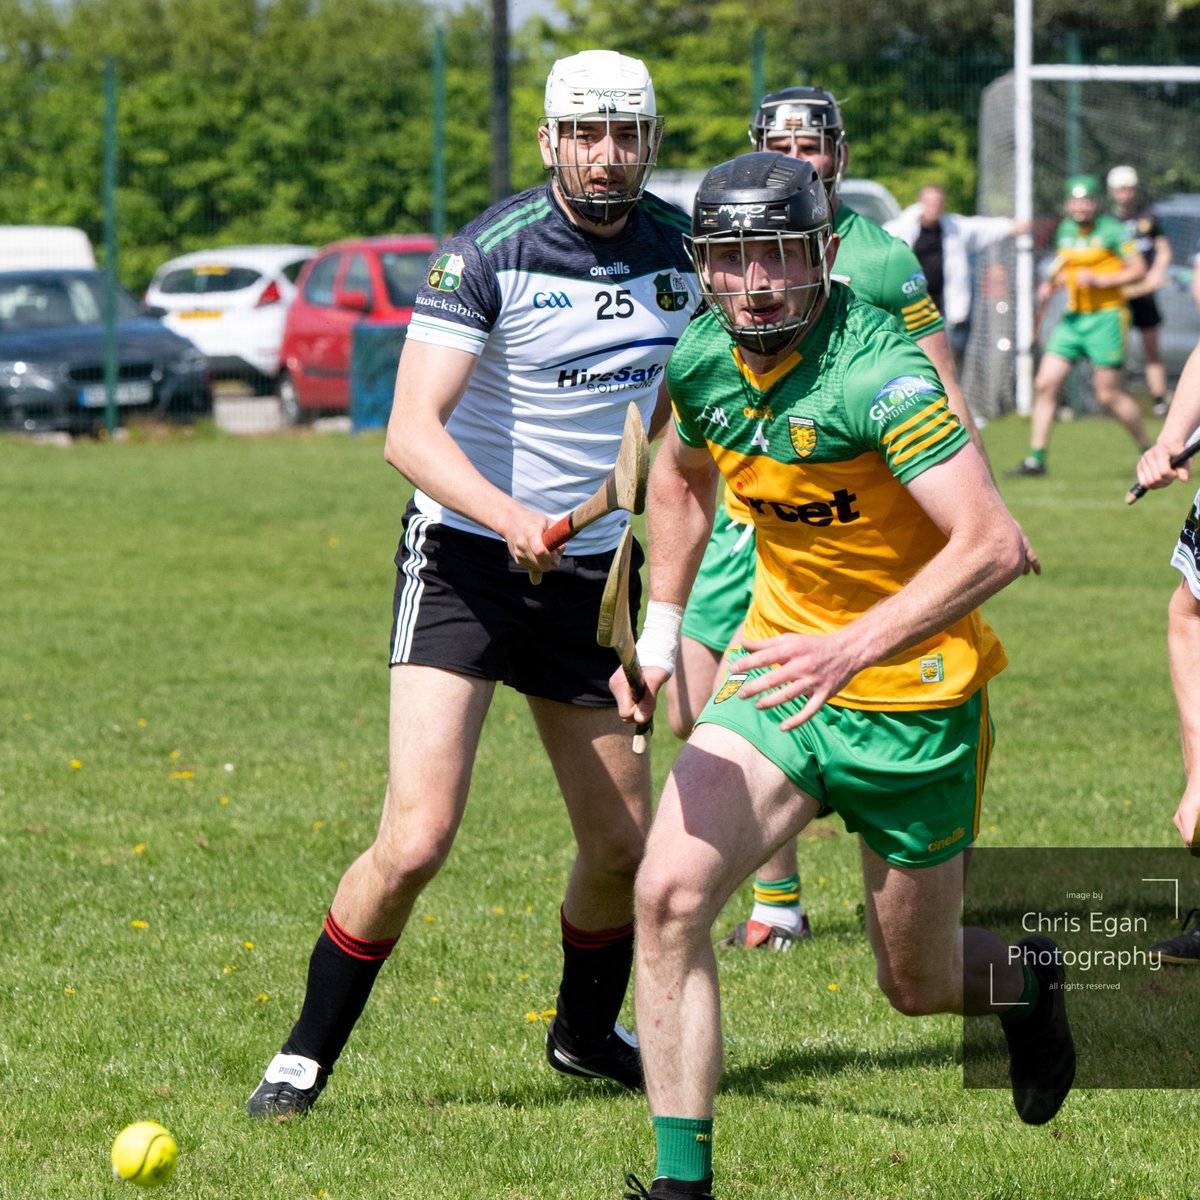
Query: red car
(372,279)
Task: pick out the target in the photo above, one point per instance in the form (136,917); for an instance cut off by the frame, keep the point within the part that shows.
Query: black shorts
(463,605)
(1144,312)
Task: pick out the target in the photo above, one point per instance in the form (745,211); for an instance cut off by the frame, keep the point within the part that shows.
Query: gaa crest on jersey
(670,291)
(932,669)
(803,434)
(447,272)
(730,688)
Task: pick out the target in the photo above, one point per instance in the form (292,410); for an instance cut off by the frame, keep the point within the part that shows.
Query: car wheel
(289,400)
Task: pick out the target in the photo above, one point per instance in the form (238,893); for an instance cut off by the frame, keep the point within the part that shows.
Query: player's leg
(724,808)
(915,826)
(1051,375)
(696,667)
(1111,395)
(434,726)
(715,609)
(1156,371)
(606,788)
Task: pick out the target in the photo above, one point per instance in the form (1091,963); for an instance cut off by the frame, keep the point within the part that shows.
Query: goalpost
(1038,125)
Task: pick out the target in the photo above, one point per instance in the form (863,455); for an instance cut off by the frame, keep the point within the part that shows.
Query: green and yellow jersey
(819,451)
(882,270)
(1101,247)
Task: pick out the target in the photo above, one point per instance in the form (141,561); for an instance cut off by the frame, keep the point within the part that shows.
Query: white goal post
(1025,72)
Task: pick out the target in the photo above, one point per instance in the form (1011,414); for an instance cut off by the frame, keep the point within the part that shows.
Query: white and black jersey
(569,328)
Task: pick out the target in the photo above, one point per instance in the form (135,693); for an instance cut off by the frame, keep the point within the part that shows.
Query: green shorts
(1098,336)
(724,584)
(910,783)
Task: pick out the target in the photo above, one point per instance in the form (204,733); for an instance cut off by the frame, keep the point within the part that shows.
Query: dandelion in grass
(223,801)
(263,997)
(140,848)
(68,991)
(498,909)
(76,765)
(248,945)
(228,970)
(27,716)
(142,722)
(435,999)
(429,918)
(139,924)
(183,774)
(174,756)
(831,987)
(318,826)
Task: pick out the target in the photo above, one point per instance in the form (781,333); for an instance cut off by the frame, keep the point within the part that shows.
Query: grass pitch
(193,716)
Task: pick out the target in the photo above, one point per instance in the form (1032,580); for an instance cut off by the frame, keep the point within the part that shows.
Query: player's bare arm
(983,554)
(937,349)
(429,384)
(1154,469)
(1133,270)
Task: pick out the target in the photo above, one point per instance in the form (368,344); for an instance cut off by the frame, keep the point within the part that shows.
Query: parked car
(31,247)
(865,196)
(232,302)
(372,279)
(53,339)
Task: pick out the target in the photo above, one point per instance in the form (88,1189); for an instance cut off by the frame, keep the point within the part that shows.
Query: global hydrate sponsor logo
(448,306)
(902,393)
(915,284)
(551,300)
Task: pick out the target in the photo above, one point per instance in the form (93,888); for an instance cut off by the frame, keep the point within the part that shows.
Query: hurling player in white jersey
(540,322)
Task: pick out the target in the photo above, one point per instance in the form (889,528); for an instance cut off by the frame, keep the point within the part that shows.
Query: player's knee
(665,897)
(615,851)
(405,864)
(914,994)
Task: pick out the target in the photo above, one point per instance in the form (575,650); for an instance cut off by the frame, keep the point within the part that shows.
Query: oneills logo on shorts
(730,688)
(447,272)
(956,836)
(803,433)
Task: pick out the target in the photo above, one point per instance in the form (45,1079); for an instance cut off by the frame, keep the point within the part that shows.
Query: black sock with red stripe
(341,974)
(596,968)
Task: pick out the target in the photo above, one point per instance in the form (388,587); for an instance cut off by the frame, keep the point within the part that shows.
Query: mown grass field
(192,747)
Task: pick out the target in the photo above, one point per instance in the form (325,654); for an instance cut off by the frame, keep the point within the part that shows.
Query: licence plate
(135,391)
(198,314)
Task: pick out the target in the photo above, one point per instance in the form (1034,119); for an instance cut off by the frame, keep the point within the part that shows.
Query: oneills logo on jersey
(803,432)
(903,392)
(447,272)
(670,292)
(730,688)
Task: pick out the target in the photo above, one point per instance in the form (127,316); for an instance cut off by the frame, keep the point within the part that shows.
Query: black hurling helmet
(803,112)
(755,198)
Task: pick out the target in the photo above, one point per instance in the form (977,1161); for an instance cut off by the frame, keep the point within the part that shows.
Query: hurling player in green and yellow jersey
(1094,260)
(879,533)
(804,123)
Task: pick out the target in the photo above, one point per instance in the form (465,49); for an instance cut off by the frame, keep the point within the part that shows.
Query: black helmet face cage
(579,171)
(800,297)
(817,119)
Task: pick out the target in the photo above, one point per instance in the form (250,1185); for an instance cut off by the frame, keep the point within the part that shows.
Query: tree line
(310,120)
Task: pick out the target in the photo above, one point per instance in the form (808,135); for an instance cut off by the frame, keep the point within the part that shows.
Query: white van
(31,247)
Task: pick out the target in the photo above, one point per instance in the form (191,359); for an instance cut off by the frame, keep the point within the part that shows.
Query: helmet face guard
(808,113)
(602,132)
(601,161)
(760,238)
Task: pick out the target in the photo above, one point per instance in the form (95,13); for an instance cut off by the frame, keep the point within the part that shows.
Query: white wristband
(660,636)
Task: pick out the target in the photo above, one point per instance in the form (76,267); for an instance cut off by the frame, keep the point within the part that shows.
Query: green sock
(1038,456)
(1023,1010)
(684,1147)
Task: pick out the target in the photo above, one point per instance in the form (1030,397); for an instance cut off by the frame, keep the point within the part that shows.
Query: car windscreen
(404,275)
(207,279)
(32,304)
